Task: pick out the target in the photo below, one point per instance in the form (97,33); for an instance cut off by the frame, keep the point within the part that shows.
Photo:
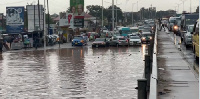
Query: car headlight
(175,27)
(143,38)
(150,37)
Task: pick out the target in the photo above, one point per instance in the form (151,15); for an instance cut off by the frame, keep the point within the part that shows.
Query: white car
(188,36)
(135,40)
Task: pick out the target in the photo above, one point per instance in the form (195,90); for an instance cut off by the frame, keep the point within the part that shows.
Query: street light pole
(113,16)
(190,7)
(132,12)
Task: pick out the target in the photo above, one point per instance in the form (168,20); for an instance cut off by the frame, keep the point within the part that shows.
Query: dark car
(146,37)
(99,42)
(79,41)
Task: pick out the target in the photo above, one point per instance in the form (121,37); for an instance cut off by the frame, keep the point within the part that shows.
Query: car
(119,40)
(79,41)
(134,40)
(134,30)
(146,37)
(100,42)
(188,36)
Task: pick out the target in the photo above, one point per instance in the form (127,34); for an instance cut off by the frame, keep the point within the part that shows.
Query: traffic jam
(121,36)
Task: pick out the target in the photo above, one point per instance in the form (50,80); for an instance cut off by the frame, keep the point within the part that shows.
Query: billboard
(1,21)
(35,18)
(66,19)
(14,19)
(77,8)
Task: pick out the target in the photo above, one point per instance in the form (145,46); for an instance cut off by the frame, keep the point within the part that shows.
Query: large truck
(187,19)
(195,40)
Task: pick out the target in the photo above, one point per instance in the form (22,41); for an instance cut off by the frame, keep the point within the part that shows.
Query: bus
(125,31)
(195,40)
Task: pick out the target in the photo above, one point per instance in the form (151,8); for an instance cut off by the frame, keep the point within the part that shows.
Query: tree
(95,10)
(50,19)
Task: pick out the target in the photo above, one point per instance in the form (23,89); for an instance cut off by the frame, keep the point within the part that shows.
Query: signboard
(66,19)
(77,8)
(35,18)
(79,21)
(1,21)
(14,19)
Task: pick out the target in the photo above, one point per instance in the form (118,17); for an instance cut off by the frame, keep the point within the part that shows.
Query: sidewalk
(176,79)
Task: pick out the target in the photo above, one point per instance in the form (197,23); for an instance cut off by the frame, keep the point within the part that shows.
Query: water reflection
(71,73)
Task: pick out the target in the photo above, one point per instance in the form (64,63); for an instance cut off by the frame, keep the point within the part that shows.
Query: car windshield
(147,34)
(146,30)
(100,39)
(122,39)
(141,27)
(190,28)
(190,21)
(172,21)
(134,30)
(134,37)
(77,37)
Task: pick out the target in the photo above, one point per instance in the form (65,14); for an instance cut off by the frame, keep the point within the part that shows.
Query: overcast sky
(57,6)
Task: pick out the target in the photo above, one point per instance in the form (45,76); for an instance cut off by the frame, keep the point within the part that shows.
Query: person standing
(36,41)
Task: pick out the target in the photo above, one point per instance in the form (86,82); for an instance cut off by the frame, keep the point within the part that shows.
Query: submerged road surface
(72,73)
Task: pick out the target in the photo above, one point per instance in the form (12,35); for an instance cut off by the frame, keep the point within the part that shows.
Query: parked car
(79,41)
(99,42)
(134,40)
(146,37)
(188,36)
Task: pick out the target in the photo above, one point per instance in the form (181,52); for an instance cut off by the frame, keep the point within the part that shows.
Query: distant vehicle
(188,36)
(79,41)
(172,21)
(125,31)
(188,19)
(134,40)
(177,26)
(134,30)
(146,37)
(99,42)
(195,40)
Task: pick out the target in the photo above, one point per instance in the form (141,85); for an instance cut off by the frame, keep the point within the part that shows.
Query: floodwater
(72,73)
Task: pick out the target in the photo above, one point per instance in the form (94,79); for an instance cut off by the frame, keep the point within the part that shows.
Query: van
(195,40)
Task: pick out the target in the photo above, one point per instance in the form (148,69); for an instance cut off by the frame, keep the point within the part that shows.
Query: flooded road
(72,73)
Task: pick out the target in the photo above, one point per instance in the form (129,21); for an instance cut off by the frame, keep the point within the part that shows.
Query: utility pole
(45,27)
(113,16)
(48,16)
(102,16)
(116,12)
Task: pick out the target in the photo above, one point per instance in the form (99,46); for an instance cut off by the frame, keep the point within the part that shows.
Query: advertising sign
(14,19)
(66,19)
(77,8)
(1,21)
(35,18)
